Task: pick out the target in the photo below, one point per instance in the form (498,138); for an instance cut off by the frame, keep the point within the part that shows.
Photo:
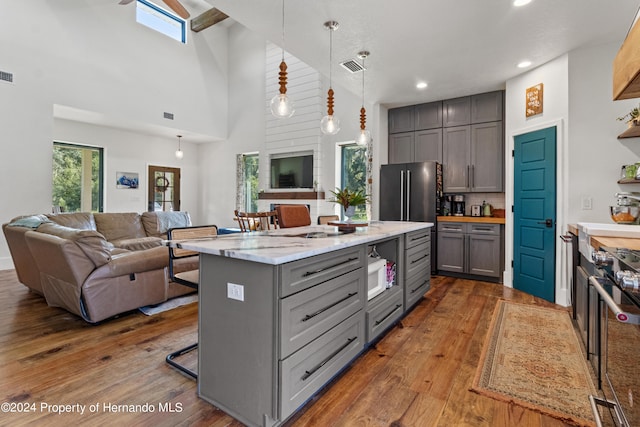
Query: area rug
(169,305)
(532,358)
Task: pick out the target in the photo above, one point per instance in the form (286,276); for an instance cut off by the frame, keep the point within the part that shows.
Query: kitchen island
(282,312)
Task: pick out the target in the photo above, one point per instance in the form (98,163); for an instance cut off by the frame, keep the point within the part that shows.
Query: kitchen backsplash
(496,200)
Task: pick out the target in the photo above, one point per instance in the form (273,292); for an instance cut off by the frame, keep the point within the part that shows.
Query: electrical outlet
(586,203)
(235,291)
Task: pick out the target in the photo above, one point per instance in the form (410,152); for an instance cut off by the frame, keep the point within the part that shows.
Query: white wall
(93,57)
(577,99)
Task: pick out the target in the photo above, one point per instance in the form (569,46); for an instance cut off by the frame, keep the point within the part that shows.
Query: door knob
(547,222)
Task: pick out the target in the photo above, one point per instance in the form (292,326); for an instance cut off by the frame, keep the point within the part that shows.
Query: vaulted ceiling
(458,47)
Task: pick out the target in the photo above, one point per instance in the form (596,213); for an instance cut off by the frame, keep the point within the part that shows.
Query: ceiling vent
(7,77)
(352,66)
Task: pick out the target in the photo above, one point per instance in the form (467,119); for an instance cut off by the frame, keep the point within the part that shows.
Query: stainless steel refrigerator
(412,192)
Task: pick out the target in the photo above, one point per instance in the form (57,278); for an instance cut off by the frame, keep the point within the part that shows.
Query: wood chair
(256,221)
(325,219)
(293,216)
(190,278)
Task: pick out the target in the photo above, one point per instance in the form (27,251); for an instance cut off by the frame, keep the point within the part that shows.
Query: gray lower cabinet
(417,266)
(471,248)
(383,311)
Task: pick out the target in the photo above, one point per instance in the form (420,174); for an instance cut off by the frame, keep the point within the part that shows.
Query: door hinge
(512,208)
(511,263)
(513,153)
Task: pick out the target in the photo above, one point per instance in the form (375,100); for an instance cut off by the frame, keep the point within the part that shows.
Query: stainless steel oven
(618,290)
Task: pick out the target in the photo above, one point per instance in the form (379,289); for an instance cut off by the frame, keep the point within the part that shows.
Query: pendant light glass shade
(179,152)
(364,136)
(330,124)
(282,106)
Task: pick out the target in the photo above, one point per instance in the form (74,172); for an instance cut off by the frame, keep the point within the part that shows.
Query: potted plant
(349,199)
(632,117)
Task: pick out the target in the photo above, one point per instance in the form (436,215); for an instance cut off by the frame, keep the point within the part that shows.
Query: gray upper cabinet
(428,145)
(420,146)
(456,112)
(401,119)
(401,147)
(487,158)
(487,107)
(428,116)
(456,159)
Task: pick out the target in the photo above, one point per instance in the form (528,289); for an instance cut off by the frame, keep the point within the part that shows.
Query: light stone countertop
(288,244)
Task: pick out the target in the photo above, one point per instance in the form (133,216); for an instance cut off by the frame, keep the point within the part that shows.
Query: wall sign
(534,100)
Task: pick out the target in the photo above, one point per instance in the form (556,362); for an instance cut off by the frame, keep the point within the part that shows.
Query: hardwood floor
(417,375)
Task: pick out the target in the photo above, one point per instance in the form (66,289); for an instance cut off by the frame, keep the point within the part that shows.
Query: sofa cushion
(138,244)
(79,220)
(119,226)
(92,243)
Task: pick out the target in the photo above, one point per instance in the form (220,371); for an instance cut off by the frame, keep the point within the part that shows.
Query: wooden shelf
(629,181)
(295,195)
(632,132)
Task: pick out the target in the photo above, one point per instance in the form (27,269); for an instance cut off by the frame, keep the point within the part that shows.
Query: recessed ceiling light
(521,2)
(421,85)
(524,64)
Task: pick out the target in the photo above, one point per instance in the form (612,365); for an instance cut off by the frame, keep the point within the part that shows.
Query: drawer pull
(322,310)
(418,287)
(451,229)
(390,313)
(307,374)
(420,237)
(419,259)
(311,273)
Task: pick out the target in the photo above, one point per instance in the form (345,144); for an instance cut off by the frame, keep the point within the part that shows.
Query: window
(250,181)
(154,17)
(353,173)
(77,178)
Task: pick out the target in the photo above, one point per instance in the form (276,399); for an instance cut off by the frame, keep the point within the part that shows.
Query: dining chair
(293,216)
(326,219)
(256,221)
(190,278)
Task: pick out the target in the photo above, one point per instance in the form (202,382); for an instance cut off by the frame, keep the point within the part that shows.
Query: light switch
(235,291)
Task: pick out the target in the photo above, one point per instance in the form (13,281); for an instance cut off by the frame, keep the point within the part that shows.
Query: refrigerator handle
(408,192)
(401,195)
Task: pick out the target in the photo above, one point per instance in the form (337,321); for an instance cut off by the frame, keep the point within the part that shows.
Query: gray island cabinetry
(281,314)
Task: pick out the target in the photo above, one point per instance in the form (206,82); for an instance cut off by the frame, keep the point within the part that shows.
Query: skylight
(152,16)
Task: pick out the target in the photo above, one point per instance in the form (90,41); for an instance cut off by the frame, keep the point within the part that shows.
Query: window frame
(142,7)
(101,178)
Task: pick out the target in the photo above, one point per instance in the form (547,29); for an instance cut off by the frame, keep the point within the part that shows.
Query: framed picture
(127,180)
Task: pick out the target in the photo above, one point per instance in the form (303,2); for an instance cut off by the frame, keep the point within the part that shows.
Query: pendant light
(179,152)
(364,136)
(281,106)
(330,124)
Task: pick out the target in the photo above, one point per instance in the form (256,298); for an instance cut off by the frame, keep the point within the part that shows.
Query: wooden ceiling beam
(207,19)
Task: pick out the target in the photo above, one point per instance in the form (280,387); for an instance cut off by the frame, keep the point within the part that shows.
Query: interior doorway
(534,213)
(163,188)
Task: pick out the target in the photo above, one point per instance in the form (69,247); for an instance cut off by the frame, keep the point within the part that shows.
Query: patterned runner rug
(532,357)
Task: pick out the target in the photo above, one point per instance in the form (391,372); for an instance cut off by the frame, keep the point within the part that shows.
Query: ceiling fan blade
(177,7)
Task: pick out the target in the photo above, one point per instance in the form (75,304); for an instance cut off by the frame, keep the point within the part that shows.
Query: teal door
(534,213)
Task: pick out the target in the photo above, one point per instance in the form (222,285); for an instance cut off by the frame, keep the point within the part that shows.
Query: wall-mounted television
(292,170)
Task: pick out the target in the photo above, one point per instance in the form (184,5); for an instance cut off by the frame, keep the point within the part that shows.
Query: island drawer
(384,312)
(417,287)
(310,313)
(308,272)
(417,258)
(416,238)
(307,370)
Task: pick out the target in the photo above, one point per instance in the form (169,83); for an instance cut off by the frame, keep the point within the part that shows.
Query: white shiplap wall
(299,133)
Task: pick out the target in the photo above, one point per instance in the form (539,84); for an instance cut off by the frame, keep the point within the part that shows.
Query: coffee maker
(458,205)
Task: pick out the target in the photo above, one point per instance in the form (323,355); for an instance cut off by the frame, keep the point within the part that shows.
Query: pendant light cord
(363,71)
(330,53)
(283,30)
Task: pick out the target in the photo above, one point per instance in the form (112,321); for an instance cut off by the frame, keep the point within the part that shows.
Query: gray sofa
(97,265)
